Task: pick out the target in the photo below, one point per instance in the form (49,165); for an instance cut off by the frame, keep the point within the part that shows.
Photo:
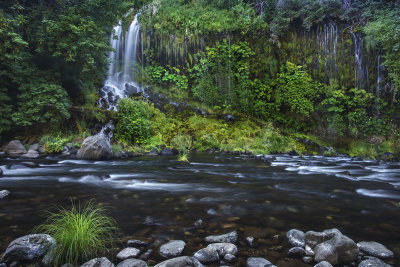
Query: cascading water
(120,80)
(327,39)
(359,71)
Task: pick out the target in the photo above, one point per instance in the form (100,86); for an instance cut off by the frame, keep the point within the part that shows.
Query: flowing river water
(160,198)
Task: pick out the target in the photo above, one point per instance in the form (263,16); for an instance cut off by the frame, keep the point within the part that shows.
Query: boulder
(297,252)
(95,147)
(98,262)
(14,149)
(183,261)
(375,249)
(373,263)
(4,193)
(173,248)
(323,264)
(35,147)
(337,249)
(28,248)
(231,237)
(224,248)
(296,238)
(137,243)
(309,251)
(389,157)
(207,255)
(31,154)
(132,263)
(128,253)
(258,262)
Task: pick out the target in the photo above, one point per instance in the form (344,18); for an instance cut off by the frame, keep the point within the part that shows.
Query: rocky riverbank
(319,249)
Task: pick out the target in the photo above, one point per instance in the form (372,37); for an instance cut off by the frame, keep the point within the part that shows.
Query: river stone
(98,262)
(137,243)
(250,241)
(231,237)
(14,149)
(28,248)
(145,256)
(229,258)
(307,259)
(95,147)
(315,238)
(296,238)
(258,262)
(4,193)
(183,261)
(34,147)
(309,251)
(31,154)
(296,252)
(207,255)
(132,263)
(338,249)
(128,253)
(173,248)
(373,263)
(375,249)
(323,264)
(224,248)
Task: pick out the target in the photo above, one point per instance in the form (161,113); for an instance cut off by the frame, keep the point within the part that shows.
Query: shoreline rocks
(172,249)
(95,147)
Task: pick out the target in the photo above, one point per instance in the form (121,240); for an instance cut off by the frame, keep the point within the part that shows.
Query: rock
(250,241)
(375,249)
(307,259)
(1,172)
(323,264)
(309,251)
(373,263)
(173,248)
(166,152)
(258,262)
(231,237)
(98,262)
(229,258)
(34,147)
(337,249)
(28,248)
(68,265)
(296,238)
(224,248)
(207,255)
(14,149)
(153,152)
(297,252)
(183,261)
(229,118)
(95,147)
(128,253)
(132,263)
(2,154)
(3,265)
(389,157)
(31,154)
(314,238)
(199,223)
(137,243)
(145,256)
(21,165)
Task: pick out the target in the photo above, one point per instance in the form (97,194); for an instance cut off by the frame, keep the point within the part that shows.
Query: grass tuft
(81,232)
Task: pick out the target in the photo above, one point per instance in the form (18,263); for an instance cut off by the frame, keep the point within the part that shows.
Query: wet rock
(146,255)
(31,154)
(373,263)
(337,249)
(166,152)
(323,264)
(229,118)
(28,248)
(128,253)
(296,252)
(154,152)
(224,248)
(309,251)
(132,263)
(375,249)
(315,238)
(207,255)
(173,248)
(34,147)
(98,262)
(250,241)
(231,237)
(296,238)
(307,259)
(22,165)
(2,154)
(199,223)
(14,149)
(95,147)
(389,157)
(137,243)
(229,258)
(4,193)
(183,261)
(258,262)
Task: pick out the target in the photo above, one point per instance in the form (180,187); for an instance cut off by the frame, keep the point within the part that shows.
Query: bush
(53,144)
(81,233)
(182,142)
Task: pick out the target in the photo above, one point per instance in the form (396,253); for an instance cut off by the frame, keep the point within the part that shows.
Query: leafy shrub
(182,142)
(81,232)
(134,126)
(53,143)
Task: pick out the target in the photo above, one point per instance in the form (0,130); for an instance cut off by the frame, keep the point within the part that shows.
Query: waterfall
(327,39)
(120,81)
(379,79)
(359,72)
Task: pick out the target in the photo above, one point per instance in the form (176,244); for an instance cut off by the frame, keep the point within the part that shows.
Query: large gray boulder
(258,262)
(28,248)
(95,147)
(231,237)
(183,261)
(337,248)
(172,249)
(14,149)
(375,249)
(224,248)
(98,262)
(132,263)
(31,154)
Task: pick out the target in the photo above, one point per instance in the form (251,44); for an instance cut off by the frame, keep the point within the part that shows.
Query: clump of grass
(183,157)
(81,232)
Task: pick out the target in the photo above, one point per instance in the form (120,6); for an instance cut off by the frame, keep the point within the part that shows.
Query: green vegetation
(81,232)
